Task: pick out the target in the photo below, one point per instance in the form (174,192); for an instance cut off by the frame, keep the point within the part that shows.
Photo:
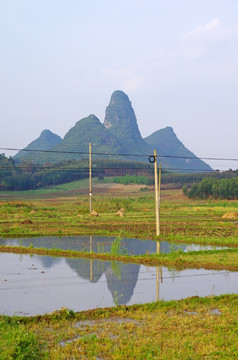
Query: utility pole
(159,194)
(158,243)
(156,194)
(90,176)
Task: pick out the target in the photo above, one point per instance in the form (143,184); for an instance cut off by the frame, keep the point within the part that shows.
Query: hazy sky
(177,60)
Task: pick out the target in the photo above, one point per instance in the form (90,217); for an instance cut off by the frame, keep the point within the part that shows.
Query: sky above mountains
(176,60)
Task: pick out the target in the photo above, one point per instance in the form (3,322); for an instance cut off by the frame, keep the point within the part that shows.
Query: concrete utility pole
(156,193)
(159,194)
(90,176)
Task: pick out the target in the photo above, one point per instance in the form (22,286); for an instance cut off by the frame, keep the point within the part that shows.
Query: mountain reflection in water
(34,284)
(121,278)
(55,281)
(121,281)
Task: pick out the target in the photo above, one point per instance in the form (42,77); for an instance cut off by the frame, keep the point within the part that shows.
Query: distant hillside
(166,143)
(89,130)
(46,141)
(119,134)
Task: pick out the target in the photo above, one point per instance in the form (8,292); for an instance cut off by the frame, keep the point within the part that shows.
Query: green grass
(17,342)
(194,328)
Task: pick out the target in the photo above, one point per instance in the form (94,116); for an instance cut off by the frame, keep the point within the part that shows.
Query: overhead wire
(120,154)
(59,167)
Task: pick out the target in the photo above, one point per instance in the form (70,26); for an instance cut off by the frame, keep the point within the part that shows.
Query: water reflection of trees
(121,278)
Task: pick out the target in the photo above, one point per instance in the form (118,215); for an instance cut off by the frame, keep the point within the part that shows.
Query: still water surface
(34,284)
(102,244)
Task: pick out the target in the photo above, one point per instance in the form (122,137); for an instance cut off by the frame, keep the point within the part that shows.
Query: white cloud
(211,27)
(204,37)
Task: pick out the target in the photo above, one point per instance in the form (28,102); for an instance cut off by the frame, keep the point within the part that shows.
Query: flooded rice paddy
(33,284)
(103,244)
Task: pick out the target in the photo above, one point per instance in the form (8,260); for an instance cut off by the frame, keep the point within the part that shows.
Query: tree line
(214,188)
(30,176)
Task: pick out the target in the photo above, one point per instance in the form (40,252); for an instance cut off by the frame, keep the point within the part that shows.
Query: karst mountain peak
(118,134)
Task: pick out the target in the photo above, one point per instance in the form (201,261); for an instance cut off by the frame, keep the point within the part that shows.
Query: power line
(74,152)
(197,158)
(38,167)
(121,154)
(185,276)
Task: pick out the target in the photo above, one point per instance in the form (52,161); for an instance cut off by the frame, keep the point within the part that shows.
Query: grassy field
(194,328)
(182,219)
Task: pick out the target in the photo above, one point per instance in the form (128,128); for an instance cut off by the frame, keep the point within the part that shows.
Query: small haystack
(230,216)
(27,221)
(94,213)
(119,213)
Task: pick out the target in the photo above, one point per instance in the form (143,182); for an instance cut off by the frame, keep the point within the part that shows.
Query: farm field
(66,212)
(192,328)
(182,220)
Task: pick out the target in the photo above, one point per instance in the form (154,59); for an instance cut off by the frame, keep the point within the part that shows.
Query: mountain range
(118,137)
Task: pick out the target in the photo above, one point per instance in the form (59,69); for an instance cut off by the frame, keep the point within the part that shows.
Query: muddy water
(102,244)
(33,284)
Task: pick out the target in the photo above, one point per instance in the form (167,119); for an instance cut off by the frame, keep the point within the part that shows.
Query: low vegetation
(17,341)
(194,328)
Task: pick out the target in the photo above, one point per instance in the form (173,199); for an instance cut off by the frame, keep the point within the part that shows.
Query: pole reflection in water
(158,272)
(91,260)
